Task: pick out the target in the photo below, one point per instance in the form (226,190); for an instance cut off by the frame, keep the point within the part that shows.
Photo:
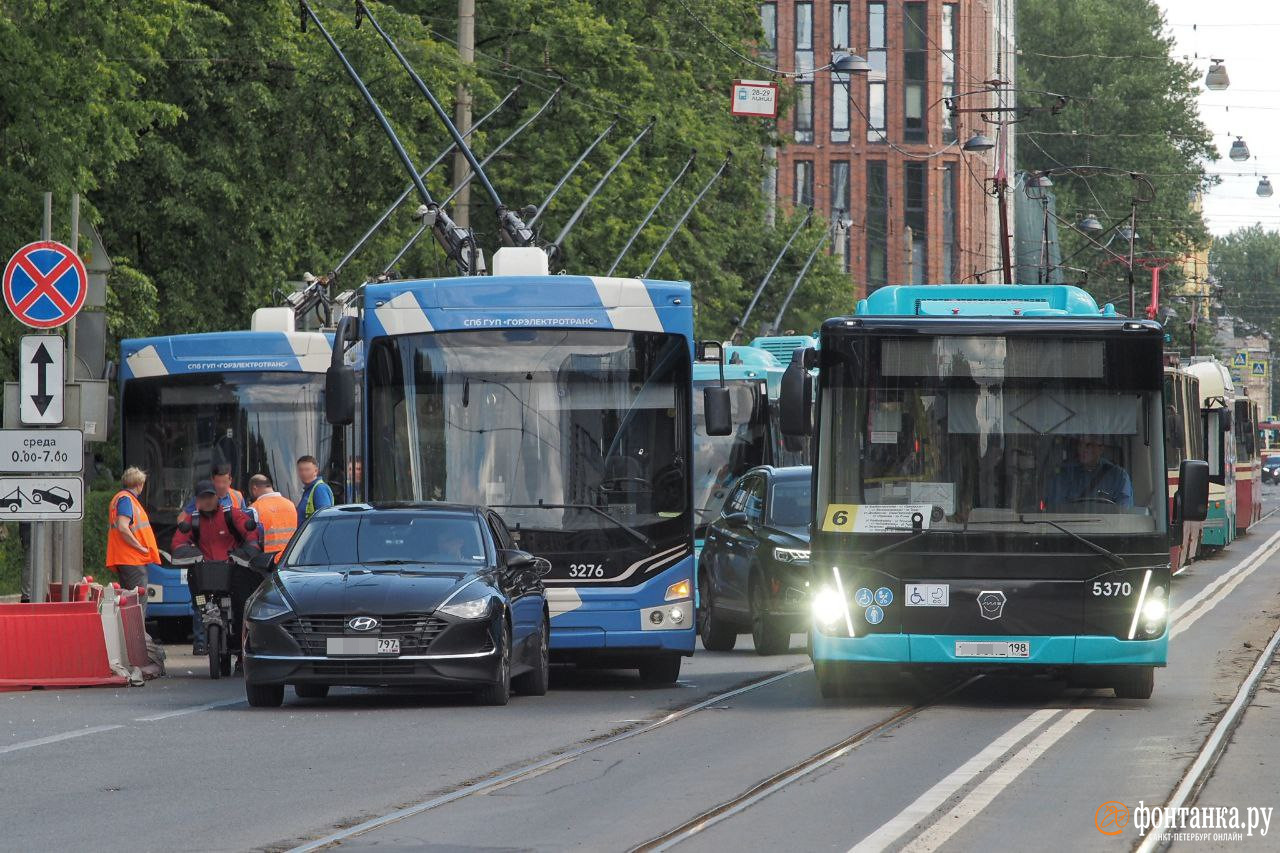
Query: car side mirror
(518,561)
(717,406)
(736,519)
(340,395)
(1193,490)
(796,404)
(263,563)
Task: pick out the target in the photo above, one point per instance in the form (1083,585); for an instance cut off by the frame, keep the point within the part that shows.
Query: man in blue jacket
(1089,479)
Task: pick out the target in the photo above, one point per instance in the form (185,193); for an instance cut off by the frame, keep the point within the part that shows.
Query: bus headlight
(828,608)
(1154,610)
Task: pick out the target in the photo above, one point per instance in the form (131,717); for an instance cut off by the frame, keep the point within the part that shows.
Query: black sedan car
(754,571)
(425,594)
(1271,469)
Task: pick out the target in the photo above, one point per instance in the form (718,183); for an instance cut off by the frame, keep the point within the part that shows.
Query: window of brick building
(878,57)
(839,209)
(950,38)
(804,183)
(950,204)
(915,209)
(877,224)
(915,62)
(769,23)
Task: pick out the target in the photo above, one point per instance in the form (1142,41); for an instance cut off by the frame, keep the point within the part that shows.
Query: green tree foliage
(224,151)
(1132,108)
(1246,264)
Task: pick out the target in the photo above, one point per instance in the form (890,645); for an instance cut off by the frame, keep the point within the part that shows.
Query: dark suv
(754,571)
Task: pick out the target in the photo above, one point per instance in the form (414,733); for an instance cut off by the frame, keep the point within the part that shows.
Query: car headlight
(828,608)
(473,609)
(268,604)
(791,555)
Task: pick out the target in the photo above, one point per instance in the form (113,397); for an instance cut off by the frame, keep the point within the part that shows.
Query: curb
(10,599)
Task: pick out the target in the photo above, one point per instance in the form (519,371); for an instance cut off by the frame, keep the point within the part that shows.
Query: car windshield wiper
(387,562)
(589,508)
(1111,556)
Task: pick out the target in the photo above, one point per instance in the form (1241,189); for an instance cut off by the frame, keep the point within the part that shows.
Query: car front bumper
(462,671)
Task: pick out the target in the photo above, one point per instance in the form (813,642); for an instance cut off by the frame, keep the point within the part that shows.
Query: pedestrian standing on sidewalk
(131,543)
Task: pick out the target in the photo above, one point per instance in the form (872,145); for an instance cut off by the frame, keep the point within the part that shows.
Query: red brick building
(890,157)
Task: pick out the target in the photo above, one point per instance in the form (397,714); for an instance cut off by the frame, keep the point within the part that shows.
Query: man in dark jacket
(217,531)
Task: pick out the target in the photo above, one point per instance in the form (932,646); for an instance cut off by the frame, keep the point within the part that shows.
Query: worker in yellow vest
(131,543)
(277,516)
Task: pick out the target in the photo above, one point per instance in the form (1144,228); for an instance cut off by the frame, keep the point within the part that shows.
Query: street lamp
(1239,151)
(1127,234)
(849,63)
(977,143)
(1090,225)
(1217,79)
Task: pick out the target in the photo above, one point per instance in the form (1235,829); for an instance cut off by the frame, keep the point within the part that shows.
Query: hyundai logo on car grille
(362,623)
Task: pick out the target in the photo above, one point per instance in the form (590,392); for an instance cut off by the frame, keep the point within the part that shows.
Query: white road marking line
(536,768)
(27,744)
(1209,597)
(932,799)
(1004,775)
(1217,582)
(194,709)
(1185,616)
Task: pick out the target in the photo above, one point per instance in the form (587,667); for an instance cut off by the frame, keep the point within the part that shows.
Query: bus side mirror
(1225,420)
(718,409)
(796,405)
(1193,490)
(340,395)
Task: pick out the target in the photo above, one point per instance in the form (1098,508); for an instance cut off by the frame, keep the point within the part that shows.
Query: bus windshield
(577,437)
(718,460)
(991,433)
(177,427)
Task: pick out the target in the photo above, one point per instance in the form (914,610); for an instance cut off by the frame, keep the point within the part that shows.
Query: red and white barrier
(96,640)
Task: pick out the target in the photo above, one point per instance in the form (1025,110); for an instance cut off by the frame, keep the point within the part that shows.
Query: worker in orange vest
(277,516)
(131,543)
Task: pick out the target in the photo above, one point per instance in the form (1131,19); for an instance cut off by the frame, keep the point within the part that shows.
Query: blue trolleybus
(250,399)
(990,486)
(563,402)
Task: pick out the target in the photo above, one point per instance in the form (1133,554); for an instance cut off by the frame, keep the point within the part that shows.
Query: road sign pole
(72,556)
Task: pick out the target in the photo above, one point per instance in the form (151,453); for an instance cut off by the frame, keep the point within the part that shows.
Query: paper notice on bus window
(877,518)
(881,436)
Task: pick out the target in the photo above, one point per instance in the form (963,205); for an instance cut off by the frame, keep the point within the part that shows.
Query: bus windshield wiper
(1111,556)
(893,546)
(589,508)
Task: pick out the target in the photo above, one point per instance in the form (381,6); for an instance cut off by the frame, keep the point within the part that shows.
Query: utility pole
(462,108)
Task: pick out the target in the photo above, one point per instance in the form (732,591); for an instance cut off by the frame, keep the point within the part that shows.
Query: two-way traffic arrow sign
(41,359)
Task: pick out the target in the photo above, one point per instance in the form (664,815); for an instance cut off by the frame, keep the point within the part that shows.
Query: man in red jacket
(217,531)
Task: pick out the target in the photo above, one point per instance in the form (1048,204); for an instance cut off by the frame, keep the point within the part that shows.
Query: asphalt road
(742,754)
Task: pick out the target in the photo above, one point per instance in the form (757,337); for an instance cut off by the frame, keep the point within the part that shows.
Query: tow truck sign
(41,498)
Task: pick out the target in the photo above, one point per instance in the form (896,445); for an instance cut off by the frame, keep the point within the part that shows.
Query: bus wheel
(660,669)
(1134,682)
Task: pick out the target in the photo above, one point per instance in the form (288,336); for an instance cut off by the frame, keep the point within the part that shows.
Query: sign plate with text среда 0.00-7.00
(41,451)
